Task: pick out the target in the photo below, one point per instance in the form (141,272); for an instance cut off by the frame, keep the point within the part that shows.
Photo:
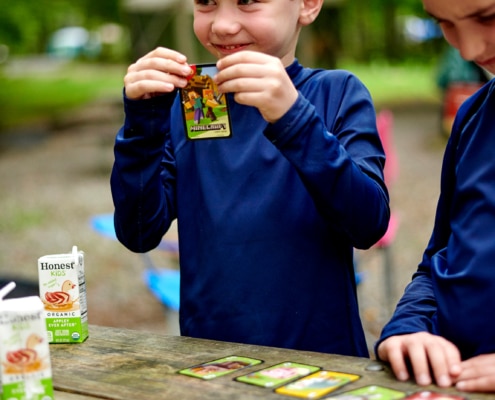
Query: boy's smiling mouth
(228,48)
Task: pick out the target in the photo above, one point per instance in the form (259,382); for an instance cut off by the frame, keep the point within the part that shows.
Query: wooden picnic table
(128,364)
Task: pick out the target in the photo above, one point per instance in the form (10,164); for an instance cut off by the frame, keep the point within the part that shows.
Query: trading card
(427,395)
(317,385)
(223,366)
(374,392)
(204,110)
(277,375)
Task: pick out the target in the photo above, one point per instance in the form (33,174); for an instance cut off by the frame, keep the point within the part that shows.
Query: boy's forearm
(336,182)
(143,210)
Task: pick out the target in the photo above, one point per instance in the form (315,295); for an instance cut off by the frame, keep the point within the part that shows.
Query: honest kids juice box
(24,350)
(63,292)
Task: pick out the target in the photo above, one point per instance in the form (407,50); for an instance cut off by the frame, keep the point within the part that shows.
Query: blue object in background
(164,283)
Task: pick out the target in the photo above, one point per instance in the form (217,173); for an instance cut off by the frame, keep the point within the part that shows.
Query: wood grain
(125,364)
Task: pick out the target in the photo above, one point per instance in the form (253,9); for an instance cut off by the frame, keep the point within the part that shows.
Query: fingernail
(423,380)
(403,376)
(456,369)
(443,381)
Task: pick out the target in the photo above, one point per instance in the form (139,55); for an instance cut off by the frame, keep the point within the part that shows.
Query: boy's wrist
(151,107)
(290,123)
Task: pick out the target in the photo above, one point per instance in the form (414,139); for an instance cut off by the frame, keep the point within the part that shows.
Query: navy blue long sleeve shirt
(267,219)
(452,292)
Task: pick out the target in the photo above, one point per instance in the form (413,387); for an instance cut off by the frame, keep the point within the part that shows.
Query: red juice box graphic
(24,351)
(63,292)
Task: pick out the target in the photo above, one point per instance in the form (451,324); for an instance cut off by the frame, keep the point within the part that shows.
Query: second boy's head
(469,26)
(269,26)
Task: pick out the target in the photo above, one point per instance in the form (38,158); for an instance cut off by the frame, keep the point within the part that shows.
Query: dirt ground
(54,181)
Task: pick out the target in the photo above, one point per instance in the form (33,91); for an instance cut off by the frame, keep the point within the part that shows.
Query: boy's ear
(309,11)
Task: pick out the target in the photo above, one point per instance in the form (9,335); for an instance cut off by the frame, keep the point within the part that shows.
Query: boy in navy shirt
(444,315)
(267,218)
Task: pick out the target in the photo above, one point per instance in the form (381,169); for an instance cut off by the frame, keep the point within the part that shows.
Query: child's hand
(478,374)
(258,80)
(159,71)
(427,354)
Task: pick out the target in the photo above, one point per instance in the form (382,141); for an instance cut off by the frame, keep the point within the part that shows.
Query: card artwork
(204,109)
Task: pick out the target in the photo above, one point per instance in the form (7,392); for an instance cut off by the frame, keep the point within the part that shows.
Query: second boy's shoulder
(482,101)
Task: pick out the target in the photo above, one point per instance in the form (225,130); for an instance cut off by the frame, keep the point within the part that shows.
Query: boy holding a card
(268,215)
(444,315)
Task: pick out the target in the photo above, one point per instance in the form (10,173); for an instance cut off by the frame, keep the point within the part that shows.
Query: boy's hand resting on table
(160,71)
(258,80)
(477,374)
(426,352)
(422,350)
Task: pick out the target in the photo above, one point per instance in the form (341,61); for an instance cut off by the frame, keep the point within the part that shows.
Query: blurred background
(61,75)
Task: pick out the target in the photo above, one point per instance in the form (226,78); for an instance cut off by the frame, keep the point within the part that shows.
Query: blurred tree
(102,11)
(25,25)
(375,30)
(325,37)
(362,30)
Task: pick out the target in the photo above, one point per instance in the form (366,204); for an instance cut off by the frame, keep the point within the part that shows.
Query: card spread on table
(427,395)
(222,366)
(278,374)
(204,109)
(317,385)
(374,392)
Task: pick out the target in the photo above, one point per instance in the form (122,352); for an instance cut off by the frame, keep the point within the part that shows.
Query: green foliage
(364,30)
(372,30)
(25,25)
(32,98)
(397,84)
(14,219)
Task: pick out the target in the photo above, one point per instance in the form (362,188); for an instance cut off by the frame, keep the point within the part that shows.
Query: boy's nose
(225,21)
(471,45)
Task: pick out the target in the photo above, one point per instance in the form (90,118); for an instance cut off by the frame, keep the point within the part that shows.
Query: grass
(33,97)
(397,84)
(16,219)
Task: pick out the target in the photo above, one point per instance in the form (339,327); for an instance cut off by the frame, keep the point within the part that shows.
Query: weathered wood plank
(124,364)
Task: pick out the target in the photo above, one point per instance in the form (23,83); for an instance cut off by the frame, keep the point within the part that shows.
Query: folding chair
(164,283)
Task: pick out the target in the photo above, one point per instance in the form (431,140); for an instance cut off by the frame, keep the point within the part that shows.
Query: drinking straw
(6,290)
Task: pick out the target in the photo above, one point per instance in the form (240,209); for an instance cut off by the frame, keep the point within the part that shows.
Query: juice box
(63,293)
(24,350)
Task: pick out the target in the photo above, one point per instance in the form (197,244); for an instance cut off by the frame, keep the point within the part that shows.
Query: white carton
(63,292)
(24,350)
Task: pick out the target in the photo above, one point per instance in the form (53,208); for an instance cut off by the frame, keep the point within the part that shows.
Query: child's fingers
(165,53)
(428,354)
(160,71)
(480,384)
(160,64)
(393,351)
(243,57)
(477,374)
(444,359)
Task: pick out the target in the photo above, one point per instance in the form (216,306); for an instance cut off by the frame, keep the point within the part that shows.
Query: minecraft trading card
(220,367)
(374,392)
(204,109)
(317,385)
(278,374)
